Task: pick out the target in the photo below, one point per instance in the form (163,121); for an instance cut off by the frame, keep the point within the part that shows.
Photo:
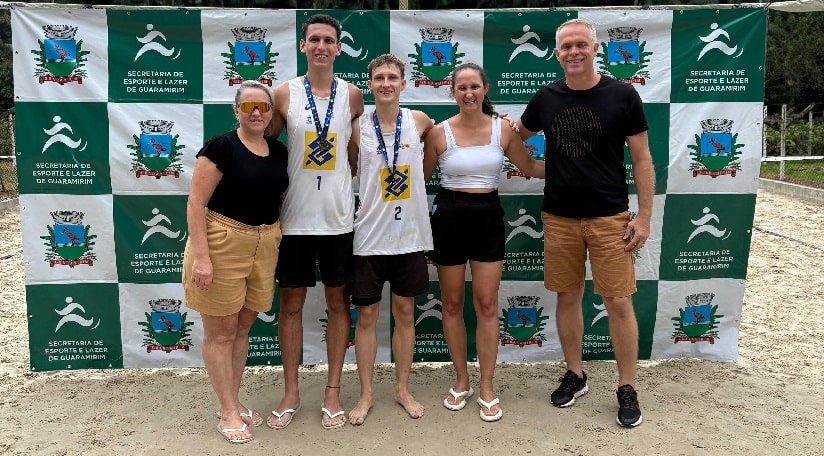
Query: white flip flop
(463,396)
(279,416)
(332,416)
(488,406)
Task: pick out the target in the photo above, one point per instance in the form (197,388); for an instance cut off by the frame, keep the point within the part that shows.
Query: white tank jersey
(472,166)
(319,200)
(392,218)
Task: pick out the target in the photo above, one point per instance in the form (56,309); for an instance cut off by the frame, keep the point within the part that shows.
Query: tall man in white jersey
(392,228)
(318,111)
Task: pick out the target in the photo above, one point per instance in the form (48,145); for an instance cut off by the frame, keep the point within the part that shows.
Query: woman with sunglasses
(230,257)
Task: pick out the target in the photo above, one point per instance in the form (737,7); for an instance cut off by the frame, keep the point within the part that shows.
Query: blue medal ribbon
(323,144)
(382,145)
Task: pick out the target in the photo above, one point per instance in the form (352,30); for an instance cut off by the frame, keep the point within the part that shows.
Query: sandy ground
(769,402)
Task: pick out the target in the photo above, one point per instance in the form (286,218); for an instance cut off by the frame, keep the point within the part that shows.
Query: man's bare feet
(358,414)
(412,407)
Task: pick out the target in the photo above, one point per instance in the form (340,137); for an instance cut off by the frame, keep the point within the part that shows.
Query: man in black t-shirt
(587,119)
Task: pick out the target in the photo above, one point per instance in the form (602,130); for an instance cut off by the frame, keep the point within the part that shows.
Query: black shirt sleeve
(217,150)
(531,118)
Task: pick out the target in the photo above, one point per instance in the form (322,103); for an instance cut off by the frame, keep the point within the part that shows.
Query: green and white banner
(113,104)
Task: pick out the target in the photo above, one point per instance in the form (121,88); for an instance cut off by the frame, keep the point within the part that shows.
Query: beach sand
(769,402)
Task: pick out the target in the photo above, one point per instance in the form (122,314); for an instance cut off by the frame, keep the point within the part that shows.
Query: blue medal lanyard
(323,144)
(382,145)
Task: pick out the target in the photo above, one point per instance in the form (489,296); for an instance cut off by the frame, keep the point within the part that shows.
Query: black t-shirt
(251,188)
(585,134)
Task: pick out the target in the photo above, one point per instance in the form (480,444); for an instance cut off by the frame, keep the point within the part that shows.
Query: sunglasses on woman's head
(249,106)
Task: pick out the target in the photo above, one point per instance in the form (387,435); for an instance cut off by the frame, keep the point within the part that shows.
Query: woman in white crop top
(467,225)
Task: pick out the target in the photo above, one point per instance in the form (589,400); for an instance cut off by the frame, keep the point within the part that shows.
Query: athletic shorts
(566,244)
(467,227)
(406,273)
(301,255)
(243,263)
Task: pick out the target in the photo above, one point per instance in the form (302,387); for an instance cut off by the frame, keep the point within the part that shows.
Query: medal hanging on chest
(322,144)
(393,168)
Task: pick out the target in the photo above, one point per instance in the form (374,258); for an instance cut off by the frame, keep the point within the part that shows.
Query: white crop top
(472,166)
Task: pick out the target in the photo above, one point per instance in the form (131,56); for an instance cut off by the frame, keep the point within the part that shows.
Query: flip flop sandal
(279,416)
(463,396)
(251,416)
(332,417)
(488,406)
(223,432)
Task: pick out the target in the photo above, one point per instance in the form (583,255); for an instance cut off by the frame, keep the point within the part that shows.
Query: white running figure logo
(155,227)
(713,44)
(350,50)
(430,309)
(525,46)
(266,318)
(70,317)
(520,228)
(150,45)
(56,137)
(703,227)
(602,308)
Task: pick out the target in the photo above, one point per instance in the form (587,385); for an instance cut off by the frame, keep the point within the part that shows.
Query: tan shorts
(566,242)
(243,262)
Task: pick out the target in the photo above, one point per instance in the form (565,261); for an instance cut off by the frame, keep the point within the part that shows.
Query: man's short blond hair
(588,24)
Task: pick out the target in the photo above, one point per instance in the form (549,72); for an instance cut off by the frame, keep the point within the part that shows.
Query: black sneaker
(629,412)
(572,387)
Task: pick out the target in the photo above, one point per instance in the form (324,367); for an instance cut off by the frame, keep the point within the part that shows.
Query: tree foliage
(274,4)
(795,57)
(6,74)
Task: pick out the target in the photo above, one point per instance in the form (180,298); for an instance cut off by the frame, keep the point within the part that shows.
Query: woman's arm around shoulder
(434,144)
(280,95)
(423,123)
(356,109)
(352,148)
(355,100)
(515,149)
